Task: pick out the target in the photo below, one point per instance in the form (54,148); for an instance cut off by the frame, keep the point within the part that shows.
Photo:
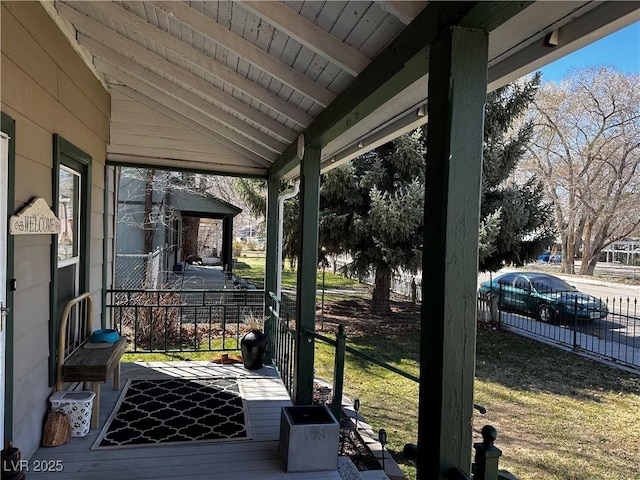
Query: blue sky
(620,49)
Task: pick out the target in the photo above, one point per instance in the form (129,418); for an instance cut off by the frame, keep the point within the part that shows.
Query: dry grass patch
(559,415)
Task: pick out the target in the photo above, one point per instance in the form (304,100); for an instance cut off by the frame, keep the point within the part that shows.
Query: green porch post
(307,268)
(272,262)
(227,243)
(457,94)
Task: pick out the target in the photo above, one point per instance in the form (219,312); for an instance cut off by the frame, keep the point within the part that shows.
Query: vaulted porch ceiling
(228,87)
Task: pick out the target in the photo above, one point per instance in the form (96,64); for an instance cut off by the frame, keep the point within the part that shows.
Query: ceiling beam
(604,18)
(247,51)
(69,31)
(404,61)
(309,34)
(147,159)
(96,30)
(175,147)
(202,60)
(175,102)
(405,11)
(126,68)
(403,124)
(188,123)
(137,147)
(171,104)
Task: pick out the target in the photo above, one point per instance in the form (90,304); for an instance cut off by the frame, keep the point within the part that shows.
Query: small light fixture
(552,39)
(360,144)
(420,112)
(382,436)
(333,159)
(324,393)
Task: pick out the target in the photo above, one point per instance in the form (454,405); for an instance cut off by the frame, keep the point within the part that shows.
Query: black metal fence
(184,320)
(283,339)
(282,336)
(608,328)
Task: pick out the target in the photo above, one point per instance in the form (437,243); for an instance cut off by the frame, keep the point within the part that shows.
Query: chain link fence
(137,271)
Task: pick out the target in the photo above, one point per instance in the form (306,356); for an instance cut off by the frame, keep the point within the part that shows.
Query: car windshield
(547,283)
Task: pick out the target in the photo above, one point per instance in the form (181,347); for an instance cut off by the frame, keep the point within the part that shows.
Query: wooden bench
(79,364)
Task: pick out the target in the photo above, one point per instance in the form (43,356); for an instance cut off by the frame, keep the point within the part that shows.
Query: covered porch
(264,395)
(277,91)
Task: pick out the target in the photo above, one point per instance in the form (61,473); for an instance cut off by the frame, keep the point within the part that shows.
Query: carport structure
(287,90)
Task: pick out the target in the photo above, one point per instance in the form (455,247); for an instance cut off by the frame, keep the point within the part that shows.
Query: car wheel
(545,314)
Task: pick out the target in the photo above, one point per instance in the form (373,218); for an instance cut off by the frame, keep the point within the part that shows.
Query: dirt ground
(355,314)
(350,444)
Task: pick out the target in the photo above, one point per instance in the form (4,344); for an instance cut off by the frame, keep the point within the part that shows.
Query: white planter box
(309,436)
(78,406)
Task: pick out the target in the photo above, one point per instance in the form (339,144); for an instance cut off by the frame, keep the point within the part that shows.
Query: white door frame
(4,182)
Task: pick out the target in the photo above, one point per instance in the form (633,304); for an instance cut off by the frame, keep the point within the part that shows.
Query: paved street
(615,338)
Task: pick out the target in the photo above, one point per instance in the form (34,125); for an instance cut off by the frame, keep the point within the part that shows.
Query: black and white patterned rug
(169,411)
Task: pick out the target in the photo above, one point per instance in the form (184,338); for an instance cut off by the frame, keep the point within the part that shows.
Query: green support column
(338,372)
(272,263)
(457,94)
(227,243)
(307,267)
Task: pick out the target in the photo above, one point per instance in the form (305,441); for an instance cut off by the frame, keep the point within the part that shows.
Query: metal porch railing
(283,338)
(161,321)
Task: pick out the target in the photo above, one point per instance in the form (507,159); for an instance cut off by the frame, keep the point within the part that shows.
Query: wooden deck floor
(257,458)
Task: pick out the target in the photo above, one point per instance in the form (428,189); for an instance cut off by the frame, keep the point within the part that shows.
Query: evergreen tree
(373,208)
(516,224)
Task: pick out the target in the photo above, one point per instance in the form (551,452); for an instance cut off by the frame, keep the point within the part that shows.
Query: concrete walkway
(202,277)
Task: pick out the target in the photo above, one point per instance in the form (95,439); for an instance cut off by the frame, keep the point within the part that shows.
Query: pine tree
(373,209)
(516,224)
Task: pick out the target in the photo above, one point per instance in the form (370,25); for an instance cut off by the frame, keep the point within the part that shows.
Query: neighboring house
(230,88)
(168,204)
(626,252)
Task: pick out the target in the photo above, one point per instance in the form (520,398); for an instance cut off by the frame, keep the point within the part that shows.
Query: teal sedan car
(544,296)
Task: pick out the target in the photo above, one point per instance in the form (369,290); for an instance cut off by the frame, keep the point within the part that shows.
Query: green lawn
(559,416)
(252,269)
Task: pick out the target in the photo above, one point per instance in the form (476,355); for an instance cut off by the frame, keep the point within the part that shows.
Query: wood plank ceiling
(228,87)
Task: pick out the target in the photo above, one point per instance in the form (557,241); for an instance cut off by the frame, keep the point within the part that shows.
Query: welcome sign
(35,219)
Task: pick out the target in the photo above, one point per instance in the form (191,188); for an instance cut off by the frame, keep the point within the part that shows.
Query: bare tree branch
(586,148)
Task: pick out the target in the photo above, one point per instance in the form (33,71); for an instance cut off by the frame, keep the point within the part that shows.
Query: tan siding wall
(48,90)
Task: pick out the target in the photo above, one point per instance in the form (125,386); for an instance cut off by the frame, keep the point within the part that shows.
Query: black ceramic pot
(253,346)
